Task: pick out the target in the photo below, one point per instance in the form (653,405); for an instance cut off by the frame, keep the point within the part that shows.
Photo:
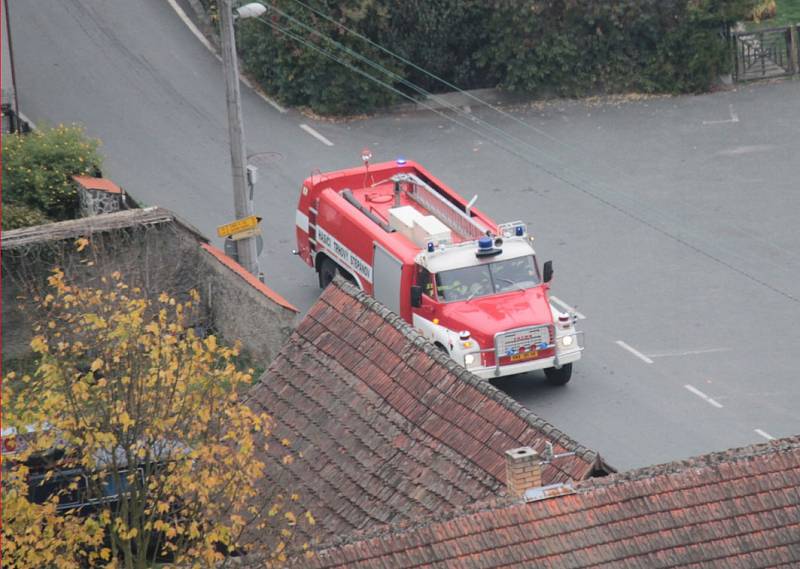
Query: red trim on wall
(251,279)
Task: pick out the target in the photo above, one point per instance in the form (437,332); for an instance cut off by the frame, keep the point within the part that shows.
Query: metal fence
(762,54)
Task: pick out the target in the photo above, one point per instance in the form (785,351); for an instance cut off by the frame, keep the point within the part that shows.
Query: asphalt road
(672,222)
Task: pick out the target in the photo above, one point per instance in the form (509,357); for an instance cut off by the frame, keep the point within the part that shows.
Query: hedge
(570,47)
(36,173)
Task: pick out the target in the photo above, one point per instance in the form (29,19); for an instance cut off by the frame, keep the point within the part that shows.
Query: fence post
(795,47)
(734,49)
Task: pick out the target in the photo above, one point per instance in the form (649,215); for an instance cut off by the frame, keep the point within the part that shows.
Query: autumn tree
(142,420)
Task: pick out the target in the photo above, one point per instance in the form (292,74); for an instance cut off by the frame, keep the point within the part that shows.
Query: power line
(503,113)
(607,201)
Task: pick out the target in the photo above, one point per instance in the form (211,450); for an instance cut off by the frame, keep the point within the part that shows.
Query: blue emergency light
(400,161)
(486,248)
(430,247)
(519,230)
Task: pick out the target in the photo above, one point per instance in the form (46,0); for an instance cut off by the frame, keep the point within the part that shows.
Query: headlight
(469,359)
(566,341)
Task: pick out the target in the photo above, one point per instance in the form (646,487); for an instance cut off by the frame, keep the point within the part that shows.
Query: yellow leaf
(81,244)
(125,420)
(97,364)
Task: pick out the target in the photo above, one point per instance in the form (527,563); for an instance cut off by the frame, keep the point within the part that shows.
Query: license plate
(524,356)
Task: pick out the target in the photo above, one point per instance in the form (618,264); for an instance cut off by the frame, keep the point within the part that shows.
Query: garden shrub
(37,168)
(568,47)
(16,216)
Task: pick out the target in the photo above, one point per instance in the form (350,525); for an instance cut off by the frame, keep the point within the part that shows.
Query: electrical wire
(511,149)
(579,149)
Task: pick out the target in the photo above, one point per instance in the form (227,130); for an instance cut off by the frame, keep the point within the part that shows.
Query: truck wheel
(559,376)
(327,270)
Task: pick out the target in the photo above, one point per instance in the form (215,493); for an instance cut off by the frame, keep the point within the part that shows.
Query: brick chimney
(523,470)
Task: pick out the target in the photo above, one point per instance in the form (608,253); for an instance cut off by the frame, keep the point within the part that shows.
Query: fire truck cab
(472,287)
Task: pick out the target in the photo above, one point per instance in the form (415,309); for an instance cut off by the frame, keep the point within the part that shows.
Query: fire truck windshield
(485,279)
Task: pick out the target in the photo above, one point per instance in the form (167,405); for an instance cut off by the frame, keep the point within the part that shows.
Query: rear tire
(327,271)
(559,376)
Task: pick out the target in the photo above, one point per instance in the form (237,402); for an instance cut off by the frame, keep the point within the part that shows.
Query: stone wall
(153,250)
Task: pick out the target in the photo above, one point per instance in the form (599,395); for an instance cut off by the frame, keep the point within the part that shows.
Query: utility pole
(246,248)
(17,119)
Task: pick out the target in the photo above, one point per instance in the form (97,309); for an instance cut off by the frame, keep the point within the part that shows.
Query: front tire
(327,271)
(559,376)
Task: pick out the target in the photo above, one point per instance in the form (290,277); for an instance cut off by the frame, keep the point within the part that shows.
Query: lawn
(788,12)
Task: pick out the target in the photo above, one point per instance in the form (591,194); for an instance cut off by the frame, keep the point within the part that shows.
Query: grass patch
(786,14)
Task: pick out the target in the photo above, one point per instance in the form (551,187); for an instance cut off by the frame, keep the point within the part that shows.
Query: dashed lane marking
(734,117)
(764,434)
(634,351)
(689,352)
(316,135)
(703,396)
(566,307)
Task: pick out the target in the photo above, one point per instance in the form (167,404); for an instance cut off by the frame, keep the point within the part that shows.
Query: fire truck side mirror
(416,296)
(548,271)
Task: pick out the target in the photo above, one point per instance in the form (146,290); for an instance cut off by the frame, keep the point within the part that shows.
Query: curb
(463,99)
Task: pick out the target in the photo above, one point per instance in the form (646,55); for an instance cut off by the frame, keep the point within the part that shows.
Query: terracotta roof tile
(736,509)
(390,429)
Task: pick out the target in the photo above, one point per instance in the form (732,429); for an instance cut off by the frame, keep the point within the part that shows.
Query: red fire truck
(470,286)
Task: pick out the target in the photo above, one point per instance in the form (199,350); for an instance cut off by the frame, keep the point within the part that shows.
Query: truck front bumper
(560,359)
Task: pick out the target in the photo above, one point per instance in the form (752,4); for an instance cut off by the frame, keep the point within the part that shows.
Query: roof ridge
(486,388)
(588,486)
(707,460)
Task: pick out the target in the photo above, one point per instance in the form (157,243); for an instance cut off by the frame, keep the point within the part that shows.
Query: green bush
(592,45)
(16,216)
(568,47)
(300,74)
(37,169)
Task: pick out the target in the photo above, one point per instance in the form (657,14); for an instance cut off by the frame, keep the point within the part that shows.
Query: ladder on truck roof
(447,212)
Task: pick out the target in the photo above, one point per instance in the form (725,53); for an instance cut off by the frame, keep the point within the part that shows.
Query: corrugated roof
(390,429)
(735,509)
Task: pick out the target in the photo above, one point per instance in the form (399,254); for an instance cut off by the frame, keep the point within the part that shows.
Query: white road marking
(210,47)
(316,135)
(263,97)
(192,28)
(634,351)
(764,434)
(566,307)
(689,352)
(703,396)
(734,117)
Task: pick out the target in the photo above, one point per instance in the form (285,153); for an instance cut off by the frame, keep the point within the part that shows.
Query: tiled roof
(734,509)
(93,183)
(384,427)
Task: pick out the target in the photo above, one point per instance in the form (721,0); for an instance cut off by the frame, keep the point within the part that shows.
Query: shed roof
(734,509)
(94,183)
(385,427)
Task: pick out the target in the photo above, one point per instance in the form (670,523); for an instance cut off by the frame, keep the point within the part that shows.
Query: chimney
(523,470)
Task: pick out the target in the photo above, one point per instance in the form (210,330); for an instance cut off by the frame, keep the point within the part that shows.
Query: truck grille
(524,339)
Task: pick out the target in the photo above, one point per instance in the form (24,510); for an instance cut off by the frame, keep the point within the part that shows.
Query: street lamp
(245,248)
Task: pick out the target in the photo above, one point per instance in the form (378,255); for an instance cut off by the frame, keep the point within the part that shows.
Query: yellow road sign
(250,222)
(255,232)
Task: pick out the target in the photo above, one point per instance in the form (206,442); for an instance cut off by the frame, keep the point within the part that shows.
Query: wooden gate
(765,53)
